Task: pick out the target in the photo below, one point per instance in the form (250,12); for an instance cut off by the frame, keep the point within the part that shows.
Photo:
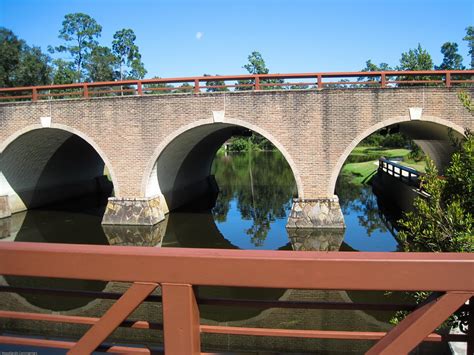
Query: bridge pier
(316,213)
(146,211)
(4,207)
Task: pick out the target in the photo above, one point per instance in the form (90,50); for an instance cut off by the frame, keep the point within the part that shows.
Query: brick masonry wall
(315,128)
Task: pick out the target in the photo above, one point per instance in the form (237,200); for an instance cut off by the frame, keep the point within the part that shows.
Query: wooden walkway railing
(382,79)
(405,174)
(178,270)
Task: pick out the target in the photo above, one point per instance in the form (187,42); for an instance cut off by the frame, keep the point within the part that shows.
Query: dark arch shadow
(49,165)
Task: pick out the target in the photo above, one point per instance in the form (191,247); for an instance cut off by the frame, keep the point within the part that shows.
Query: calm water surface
(250,212)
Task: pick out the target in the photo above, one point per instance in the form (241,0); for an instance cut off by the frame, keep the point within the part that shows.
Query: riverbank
(362,163)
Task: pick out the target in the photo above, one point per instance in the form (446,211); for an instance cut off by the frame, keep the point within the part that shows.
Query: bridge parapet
(255,82)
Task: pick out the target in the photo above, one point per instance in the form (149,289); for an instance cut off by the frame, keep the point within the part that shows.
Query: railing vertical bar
(197,90)
(257,83)
(448,79)
(320,81)
(383,81)
(470,331)
(85,89)
(139,88)
(34,94)
(180,319)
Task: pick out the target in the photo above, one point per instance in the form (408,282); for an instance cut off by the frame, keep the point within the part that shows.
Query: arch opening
(52,167)
(372,202)
(182,170)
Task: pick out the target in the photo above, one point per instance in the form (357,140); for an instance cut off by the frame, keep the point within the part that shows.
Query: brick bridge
(159,148)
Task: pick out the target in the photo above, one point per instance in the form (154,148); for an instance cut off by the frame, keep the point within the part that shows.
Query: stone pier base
(135,211)
(4,207)
(316,213)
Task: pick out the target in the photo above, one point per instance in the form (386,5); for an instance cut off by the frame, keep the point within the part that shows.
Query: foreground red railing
(178,270)
(383,79)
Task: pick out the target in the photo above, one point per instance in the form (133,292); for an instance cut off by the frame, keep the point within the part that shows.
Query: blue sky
(292,35)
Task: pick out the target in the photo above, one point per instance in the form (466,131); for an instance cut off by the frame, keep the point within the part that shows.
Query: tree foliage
(216,84)
(101,65)
(128,55)
(443,222)
(416,59)
(80,32)
(469,37)
(256,65)
(451,58)
(20,64)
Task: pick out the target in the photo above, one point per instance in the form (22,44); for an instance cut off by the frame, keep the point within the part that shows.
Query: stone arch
(368,131)
(67,132)
(151,186)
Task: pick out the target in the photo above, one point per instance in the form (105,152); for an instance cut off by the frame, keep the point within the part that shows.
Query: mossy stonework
(154,145)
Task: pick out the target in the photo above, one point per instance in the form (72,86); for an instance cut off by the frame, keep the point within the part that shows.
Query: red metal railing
(178,270)
(383,79)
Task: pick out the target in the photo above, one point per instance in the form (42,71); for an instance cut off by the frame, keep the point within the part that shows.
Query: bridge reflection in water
(261,221)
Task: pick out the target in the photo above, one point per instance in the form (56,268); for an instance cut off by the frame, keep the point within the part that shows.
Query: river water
(250,212)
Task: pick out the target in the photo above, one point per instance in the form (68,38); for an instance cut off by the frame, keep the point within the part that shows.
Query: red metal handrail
(178,270)
(257,82)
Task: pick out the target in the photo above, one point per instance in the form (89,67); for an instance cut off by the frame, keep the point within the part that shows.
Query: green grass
(359,172)
(389,153)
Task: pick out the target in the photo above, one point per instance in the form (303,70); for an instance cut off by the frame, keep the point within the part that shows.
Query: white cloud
(199,35)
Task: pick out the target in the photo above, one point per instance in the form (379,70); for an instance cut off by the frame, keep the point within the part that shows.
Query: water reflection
(250,213)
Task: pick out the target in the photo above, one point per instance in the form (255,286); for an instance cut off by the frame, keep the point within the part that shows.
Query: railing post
(320,81)
(140,88)
(196,86)
(448,79)
(180,319)
(34,94)
(257,83)
(85,89)
(470,331)
(383,81)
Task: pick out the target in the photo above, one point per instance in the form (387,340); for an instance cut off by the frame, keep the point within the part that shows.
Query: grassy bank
(362,163)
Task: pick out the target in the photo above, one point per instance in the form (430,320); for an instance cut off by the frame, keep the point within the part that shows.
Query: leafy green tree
(20,64)
(34,68)
(10,49)
(369,66)
(128,54)
(256,65)
(416,59)
(452,60)
(469,37)
(80,32)
(444,221)
(63,72)
(101,65)
(215,83)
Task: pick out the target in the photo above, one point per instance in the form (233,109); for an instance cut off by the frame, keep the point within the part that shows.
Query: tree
(101,65)
(469,37)
(63,72)
(128,55)
(256,65)
(215,83)
(416,59)
(452,59)
(444,221)
(80,31)
(10,48)
(20,64)
(33,69)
